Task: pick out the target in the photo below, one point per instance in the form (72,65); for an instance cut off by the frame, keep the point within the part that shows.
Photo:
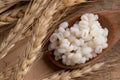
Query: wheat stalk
(38,35)
(69,75)
(32,12)
(12,15)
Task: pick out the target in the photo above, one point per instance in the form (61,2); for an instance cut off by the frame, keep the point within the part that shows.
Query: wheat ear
(43,20)
(39,33)
(7,74)
(23,24)
(6,4)
(69,75)
(12,15)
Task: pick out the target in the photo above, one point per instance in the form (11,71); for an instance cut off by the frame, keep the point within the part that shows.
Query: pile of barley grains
(80,42)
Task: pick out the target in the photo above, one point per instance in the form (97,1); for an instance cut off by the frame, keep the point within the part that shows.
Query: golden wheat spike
(69,75)
(7,73)
(22,25)
(6,4)
(12,15)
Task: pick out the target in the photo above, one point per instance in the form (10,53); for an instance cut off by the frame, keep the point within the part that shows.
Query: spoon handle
(114,19)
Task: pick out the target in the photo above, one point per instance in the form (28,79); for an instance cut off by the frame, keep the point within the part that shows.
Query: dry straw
(70,75)
(22,25)
(12,15)
(39,33)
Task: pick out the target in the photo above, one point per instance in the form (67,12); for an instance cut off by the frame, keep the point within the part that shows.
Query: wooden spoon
(108,19)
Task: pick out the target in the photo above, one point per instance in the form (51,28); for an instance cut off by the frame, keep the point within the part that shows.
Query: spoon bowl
(106,19)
